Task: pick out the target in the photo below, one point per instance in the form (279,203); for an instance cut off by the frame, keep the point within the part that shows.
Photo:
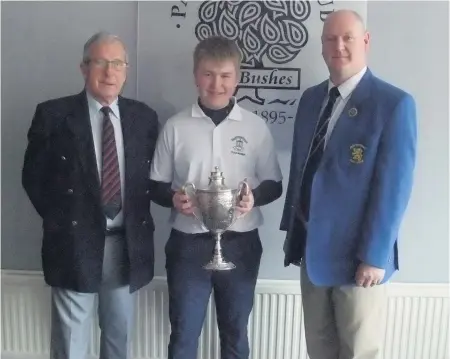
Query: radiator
(416,326)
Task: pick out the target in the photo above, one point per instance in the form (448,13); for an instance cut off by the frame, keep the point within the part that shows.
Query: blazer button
(63,158)
(70,191)
(148,161)
(74,223)
(147,191)
(144,223)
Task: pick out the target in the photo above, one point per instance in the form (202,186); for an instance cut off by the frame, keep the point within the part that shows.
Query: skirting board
(416,326)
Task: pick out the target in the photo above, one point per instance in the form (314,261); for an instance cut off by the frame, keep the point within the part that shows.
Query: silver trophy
(216,205)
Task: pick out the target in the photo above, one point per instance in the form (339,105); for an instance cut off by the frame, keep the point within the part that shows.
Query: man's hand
(368,276)
(183,203)
(247,202)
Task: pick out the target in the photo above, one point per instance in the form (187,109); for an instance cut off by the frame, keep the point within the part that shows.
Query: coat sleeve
(162,167)
(293,246)
(391,185)
(293,169)
(35,167)
(154,130)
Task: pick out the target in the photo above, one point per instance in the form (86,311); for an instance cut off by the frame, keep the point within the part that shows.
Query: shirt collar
(96,106)
(347,87)
(235,113)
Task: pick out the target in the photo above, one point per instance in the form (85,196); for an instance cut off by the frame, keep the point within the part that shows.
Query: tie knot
(105,110)
(334,93)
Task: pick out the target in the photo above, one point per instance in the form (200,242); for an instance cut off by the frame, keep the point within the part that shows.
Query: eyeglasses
(103,64)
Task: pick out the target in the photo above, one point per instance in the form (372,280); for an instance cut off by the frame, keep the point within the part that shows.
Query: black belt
(115,231)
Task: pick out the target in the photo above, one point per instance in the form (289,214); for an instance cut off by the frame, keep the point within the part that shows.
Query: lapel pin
(352,112)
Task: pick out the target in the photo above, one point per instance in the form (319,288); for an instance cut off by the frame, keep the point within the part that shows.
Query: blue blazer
(361,188)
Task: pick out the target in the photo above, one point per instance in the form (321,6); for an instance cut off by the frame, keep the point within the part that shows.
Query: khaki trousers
(72,311)
(343,322)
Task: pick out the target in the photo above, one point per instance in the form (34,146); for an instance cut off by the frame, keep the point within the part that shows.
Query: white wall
(410,47)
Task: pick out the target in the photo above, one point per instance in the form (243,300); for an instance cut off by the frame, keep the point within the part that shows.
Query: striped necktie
(322,126)
(316,153)
(110,189)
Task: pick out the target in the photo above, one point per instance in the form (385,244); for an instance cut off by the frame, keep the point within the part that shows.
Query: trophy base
(218,264)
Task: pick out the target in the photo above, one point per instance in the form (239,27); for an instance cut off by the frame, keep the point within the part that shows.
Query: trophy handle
(189,189)
(243,190)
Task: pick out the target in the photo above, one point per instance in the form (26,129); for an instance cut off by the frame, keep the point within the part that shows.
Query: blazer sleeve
(293,168)
(154,130)
(36,160)
(162,167)
(161,192)
(392,184)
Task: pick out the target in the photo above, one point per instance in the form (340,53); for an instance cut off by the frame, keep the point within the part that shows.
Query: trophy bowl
(215,210)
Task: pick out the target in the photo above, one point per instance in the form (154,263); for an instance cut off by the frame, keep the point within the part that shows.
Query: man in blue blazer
(351,175)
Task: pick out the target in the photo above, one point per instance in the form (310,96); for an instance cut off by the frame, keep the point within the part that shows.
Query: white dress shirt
(96,117)
(345,90)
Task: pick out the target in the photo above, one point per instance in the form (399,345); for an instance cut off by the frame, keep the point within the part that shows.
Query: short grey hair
(102,36)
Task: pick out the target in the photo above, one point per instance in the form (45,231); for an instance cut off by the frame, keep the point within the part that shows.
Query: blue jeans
(190,287)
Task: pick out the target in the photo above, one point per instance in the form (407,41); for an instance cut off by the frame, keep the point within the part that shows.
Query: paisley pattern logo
(265,32)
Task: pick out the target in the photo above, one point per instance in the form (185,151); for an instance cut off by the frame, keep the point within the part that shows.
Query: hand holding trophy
(217,207)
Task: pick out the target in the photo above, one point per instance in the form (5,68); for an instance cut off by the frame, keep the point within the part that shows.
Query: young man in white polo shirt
(214,131)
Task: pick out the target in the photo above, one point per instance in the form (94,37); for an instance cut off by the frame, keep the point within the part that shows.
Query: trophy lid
(217,181)
(216,174)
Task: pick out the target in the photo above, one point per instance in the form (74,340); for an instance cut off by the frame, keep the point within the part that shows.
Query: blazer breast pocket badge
(357,153)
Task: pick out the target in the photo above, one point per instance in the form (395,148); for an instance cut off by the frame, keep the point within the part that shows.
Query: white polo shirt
(190,145)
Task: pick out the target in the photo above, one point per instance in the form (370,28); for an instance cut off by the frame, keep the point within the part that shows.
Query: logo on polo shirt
(238,148)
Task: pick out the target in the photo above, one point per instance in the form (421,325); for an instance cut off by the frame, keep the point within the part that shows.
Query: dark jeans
(190,287)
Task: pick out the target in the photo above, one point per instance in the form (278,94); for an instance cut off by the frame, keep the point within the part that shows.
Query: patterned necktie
(110,189)
(316,153)
(322,126)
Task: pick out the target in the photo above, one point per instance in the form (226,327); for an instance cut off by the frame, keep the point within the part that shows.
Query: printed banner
(280,46)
